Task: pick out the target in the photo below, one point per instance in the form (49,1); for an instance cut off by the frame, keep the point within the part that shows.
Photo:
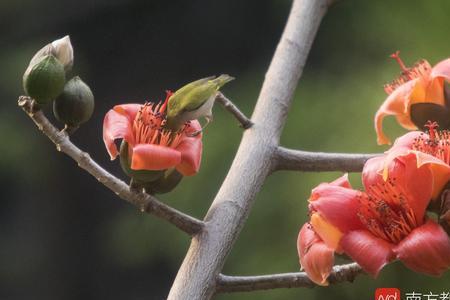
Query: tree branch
(230,107)
(230,284)
(196,278)
(145,202)
(288,159)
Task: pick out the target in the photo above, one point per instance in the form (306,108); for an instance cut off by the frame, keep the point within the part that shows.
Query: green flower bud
(139,176)
(44,80)
(75,104)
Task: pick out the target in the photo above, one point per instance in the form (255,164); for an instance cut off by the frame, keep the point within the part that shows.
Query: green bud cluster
(45,81)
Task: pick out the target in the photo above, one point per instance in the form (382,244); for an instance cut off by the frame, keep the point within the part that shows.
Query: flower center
(436,144)
(385,212)
(148,125)
(420,69)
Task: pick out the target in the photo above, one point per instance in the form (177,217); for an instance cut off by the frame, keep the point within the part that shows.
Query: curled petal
(439,169)
(323,188)
(116,126)
(338,206)
(191,150)
(128,110)
(442,69)
(396,104)
(426,249)
(315,257)
(370,252)
(154,157)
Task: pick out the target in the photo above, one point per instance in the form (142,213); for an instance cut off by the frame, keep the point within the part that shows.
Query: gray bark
(196,279)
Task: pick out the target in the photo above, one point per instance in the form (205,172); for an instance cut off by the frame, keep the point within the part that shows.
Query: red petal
(154,157)
(396,104)
(339,206)
(191,151)
(439,169)
(315,257)
(416,183)
(442,69)
(129,110)
(115,126)
(426,249)
(370,252)
(324,187)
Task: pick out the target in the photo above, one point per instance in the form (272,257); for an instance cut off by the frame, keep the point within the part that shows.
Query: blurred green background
(64,236)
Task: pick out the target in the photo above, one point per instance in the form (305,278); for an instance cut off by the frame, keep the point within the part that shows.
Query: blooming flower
(150,145)
(374,227)
(418,84)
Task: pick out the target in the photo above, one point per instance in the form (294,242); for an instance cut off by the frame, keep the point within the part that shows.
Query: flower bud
(139,176)
(75,104)
(165,183)
(61,49)
(44,80)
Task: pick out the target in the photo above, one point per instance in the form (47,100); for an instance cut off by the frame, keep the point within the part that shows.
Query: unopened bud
(61,49)
(75,104)
(44,80)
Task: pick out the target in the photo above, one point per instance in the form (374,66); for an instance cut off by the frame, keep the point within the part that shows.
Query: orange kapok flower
(151,146)
(419,84)
(386,222)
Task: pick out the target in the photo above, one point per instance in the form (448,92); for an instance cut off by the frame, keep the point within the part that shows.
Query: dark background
(64,236)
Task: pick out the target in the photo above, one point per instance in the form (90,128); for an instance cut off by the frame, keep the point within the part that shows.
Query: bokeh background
(64,236)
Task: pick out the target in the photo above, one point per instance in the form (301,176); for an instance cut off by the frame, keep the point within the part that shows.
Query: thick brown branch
(230,107)
(229,284)
(145,202)
(287,159)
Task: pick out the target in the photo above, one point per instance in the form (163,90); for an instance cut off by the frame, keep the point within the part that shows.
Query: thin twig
(145,202)
(229,284)
(229,106)
(288,159)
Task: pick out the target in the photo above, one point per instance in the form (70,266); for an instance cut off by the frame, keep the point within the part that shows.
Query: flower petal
(396,104)
(324,188)
(315,257)
(370,252)
(115,126)
(154,157)
(330,234)
(129,110)
(439,169)
(339,206)
(191,150)
(426,249)
(442,69)
(405,176)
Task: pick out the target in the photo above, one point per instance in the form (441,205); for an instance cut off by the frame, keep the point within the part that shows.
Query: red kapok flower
(431,150)
(385,222)
(150,145)
(418,84)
